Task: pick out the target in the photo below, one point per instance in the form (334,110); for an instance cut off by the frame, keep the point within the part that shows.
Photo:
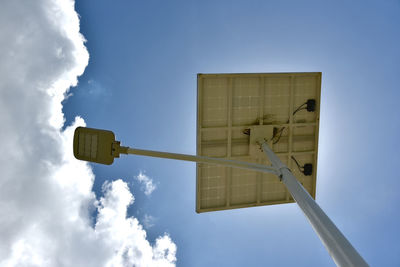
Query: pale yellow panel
(230,107)
(215,102)
(245,100)
(213,186)
(243,187)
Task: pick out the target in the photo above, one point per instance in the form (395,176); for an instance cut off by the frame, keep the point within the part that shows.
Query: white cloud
(46,197)
(147,183)
(126,235)
(96,89)
(148,221)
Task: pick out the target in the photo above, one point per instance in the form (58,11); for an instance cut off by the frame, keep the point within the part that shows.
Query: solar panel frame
(229,103)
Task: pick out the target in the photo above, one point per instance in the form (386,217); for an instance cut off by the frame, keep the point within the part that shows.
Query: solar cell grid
(233,106)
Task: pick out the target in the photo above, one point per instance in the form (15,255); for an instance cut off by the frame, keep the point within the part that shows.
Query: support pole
(200,159)
(340,249)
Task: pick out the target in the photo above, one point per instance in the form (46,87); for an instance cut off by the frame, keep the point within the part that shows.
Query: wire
(280,135)
(283,128)
(246,131)
(280,132)
(300,108)
(305,108)
(298,165)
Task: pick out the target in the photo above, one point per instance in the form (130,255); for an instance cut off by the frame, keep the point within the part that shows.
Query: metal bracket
(117,149)
(276,163)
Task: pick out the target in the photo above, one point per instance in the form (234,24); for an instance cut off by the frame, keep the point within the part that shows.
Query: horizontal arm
(201,159)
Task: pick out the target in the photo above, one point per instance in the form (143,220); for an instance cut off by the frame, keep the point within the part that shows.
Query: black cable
(280,132)
(280,135)
(300,108)
(304,108)
(246,131)
(298,165)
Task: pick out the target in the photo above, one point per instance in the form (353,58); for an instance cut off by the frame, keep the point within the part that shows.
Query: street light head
(96,145)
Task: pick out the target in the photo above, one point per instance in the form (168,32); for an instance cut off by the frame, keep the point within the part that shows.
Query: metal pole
(340,249)
(201,159)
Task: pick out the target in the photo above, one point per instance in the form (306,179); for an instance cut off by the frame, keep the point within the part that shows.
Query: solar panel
(233,112)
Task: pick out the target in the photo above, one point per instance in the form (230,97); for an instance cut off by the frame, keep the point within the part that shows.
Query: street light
(100,146)
(237,130)
(96,145)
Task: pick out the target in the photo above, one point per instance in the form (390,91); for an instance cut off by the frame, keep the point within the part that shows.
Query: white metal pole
(340,249)
(201,159)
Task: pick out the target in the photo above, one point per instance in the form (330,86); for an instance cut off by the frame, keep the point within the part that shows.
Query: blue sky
(141,83)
